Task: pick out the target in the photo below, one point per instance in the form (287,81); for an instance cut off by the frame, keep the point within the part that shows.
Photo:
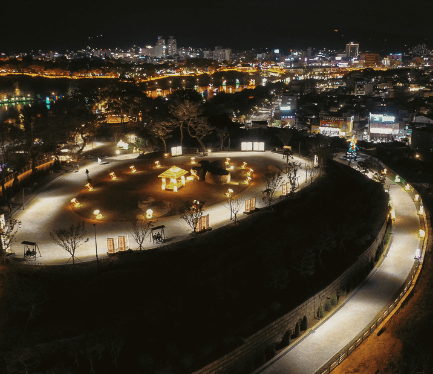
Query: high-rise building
(172,47)
(352,50)
(160,48)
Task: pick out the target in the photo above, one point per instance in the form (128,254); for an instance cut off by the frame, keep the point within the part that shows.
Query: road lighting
(96,246)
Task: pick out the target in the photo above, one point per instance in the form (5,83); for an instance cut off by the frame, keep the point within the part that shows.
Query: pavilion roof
(173,172)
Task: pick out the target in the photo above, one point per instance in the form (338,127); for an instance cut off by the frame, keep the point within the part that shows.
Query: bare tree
(191,212)
(71,238)
(140,231)
(222,134)
(234,204)
(273,181)
(292,168)
(8,231)
(285,135)
(190,114)
(161,130)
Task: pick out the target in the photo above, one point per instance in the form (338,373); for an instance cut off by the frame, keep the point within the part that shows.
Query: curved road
(322,343)
(50,208)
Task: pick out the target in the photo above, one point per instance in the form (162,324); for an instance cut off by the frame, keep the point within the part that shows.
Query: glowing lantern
(166,155)
(247,181)
(407,187)
(244,164)
(117,152)
(89,187)
(421,210)
(416,198)
(182,179)
(418,254)
(157,165)
(193,160)
(227,160)
(393,215)
(113,176)
(132,169)
(149,213)
(75,202)
(421,233)
(229,192)
(384,171)
(175,188)
(97,214)
(397,179)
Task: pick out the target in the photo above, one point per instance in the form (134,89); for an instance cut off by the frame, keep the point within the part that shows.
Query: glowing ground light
(149,213)
(421,210)
(193,160)
(113,175)
(393,214)
(97,214)
(166,155)
(227,160)
(133,170)
(244,165)
(75,202)
(157,164)
(416,198)
(117,152)
(229,192)
(384,171)
(421,233)
(407,187)
(247,181)
(89,187)
(397,179)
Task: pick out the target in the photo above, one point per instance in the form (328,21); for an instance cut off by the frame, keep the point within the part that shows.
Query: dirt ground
(119,198)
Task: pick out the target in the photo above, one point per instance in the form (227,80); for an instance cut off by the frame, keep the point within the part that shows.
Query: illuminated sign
(382,118)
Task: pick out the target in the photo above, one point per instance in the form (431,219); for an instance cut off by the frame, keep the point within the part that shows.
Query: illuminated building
(370,60)
(334,126)
(383,127)
(352,50)
(172,47)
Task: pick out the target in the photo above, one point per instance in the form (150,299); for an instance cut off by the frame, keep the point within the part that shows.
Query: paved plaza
(51,207)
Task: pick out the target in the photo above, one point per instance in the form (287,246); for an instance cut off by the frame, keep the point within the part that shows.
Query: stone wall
(242,357)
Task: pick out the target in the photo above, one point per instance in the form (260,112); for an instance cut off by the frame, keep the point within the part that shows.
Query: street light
(97,214)
(96,246)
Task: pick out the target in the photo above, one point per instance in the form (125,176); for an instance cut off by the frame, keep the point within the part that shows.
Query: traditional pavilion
(176,177)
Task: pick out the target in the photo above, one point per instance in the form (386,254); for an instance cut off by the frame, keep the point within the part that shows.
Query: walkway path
(50,209)
(321,344)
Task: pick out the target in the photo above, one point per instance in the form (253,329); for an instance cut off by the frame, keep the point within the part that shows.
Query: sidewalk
(336,332)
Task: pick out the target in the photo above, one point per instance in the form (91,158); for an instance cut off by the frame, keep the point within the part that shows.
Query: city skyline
(238,25)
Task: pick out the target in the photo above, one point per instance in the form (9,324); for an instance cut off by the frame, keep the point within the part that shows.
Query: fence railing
(382,317)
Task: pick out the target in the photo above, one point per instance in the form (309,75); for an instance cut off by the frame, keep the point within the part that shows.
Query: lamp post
(96,246)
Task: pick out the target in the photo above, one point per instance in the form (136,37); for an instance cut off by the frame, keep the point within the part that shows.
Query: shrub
(328,305)
(270,352)
(334,300)
(259,359)
(297,330)
(287,338)
(304,323)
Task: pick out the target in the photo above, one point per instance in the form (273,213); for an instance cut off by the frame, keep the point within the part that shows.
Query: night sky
(383,25)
